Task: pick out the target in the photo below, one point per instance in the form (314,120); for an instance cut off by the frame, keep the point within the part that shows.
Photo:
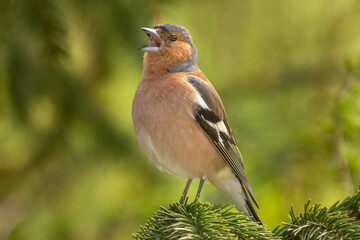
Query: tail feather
(228,183)
(251,210)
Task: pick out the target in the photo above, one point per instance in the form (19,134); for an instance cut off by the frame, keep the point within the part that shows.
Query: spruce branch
(199,220)
(337,222)
(351,205)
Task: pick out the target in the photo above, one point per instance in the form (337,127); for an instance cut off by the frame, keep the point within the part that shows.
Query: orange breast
(167,131)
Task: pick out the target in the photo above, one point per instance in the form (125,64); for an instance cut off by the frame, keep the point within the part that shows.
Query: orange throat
(161,62)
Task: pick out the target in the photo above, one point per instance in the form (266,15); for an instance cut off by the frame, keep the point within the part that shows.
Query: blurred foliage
(70,168)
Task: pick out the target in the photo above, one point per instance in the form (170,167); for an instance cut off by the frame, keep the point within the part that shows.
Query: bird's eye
(173,38)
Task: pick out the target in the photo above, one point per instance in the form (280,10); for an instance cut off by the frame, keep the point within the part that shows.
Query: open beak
(155,41)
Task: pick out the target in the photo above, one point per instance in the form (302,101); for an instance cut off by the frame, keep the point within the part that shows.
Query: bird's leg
(200,187)
(186,189)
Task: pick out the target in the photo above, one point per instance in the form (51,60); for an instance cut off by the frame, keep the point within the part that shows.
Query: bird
(180,121)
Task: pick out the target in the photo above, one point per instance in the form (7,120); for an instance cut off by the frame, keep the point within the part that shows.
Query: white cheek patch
(199,100)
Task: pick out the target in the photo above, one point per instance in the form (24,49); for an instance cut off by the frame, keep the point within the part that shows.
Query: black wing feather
(224,142)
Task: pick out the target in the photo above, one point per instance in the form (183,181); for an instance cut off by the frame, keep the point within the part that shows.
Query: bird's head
(170,49)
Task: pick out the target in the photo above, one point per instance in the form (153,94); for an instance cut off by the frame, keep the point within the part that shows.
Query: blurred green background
(70,167)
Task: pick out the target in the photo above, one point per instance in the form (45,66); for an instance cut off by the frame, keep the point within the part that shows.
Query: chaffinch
(180,121)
